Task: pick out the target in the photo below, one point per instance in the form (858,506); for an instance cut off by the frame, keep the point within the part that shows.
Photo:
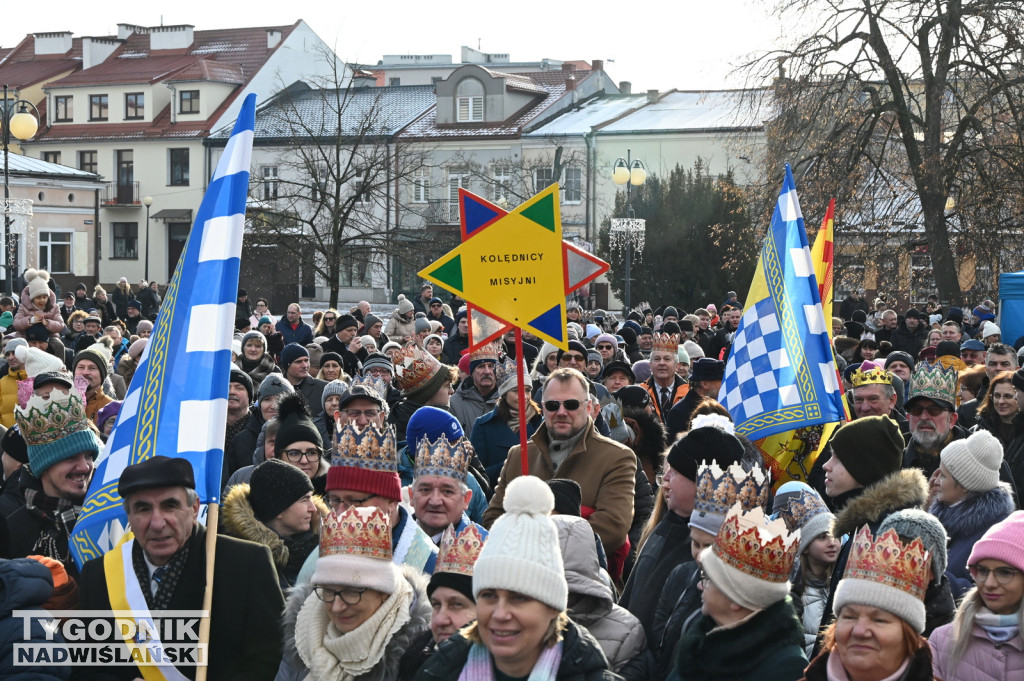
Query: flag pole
(211,555)
(521,388)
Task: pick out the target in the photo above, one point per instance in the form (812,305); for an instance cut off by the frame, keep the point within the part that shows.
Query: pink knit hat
(1004,541)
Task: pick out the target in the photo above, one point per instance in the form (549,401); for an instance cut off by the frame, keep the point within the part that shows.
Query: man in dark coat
(705,381)
(345,343)
(247,602)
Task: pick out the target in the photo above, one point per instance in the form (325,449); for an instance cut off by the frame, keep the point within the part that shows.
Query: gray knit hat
(335,387)
(273,384)
(378,359)
(974,462)
(913,523)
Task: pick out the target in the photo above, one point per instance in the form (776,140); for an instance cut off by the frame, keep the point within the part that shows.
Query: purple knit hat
(1003,541)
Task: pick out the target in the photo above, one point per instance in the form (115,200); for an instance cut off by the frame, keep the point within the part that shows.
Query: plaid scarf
(162,599)
(60,515)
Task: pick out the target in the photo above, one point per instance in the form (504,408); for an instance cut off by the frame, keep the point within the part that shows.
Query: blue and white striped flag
(177,402)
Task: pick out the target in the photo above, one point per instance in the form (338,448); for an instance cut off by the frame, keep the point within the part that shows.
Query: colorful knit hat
(55,429)
(365,461)
(355,551)
(718,490)
(443,458)
(456,559)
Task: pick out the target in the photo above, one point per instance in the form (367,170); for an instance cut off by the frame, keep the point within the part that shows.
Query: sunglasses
(573,357)
(932,409)
(570,405)
(604,346)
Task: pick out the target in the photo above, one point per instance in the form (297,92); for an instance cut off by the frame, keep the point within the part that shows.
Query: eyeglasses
(348,596)
(356,413)
(1003,574)
(663,477)
(605,346)
(1004,396)
(703,580)
(297,455)
(570,405)
(573,357)
(336,502)
(932,409)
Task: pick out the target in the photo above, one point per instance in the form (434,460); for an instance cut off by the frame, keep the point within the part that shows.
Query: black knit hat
(870,448)
(575,346)
(13,444)
(568,496)
(633,396)
(274,486)
(239,376)
(344,322)
(296,424)
(704,445)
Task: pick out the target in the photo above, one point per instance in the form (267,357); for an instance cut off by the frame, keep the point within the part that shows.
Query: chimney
(570,82)
(625,87)
(124,31)
(96,50)
(52,43)
(170,37)
(652,96)
(273,38)
(597,65)
(567,68)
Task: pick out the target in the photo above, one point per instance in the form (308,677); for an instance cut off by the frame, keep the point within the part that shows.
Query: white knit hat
(521,553)
(38,361)
(989,329)
(38,283)
(974,462)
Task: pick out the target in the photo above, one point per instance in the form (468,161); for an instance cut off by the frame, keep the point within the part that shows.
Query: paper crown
(443,458)
(755,546)
(934,381)
(802,508)
(718,490)
(888,561)
(457,553)
(487,353)
(43,421)
(377,385)
(506,369)
(666,342)
(357,531)
(415,367)
(874,375)
(370,448)
(640,307)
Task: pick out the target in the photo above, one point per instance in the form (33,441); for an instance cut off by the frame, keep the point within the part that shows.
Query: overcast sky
(688,45)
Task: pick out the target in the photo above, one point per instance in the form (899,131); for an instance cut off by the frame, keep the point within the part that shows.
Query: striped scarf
(479,666)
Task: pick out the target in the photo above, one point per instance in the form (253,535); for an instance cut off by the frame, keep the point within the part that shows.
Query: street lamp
(629,229)
(147,201)
(23,125)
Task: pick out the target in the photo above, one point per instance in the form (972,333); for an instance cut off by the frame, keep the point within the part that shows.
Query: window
(87,161)
(51,156)
(269,183)
(55,252)
(501,181)
(63,109)
(420,187)
(361,191)
(471,109)
(179,167)
(126,241)
(134,105)
(318,185)
(572,188)
(394,81)
(355,267)
(97,107)
(188,101)
(542,177)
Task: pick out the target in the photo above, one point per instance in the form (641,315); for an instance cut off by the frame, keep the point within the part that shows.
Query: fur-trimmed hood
(404,638)
(975,514)
(650,440)
(906,488)
(240,521)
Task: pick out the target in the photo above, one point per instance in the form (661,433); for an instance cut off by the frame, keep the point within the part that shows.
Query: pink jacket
(982,661)
(52,320)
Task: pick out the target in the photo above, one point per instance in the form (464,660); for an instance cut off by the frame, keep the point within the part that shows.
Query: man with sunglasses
(931,410)
(568,446)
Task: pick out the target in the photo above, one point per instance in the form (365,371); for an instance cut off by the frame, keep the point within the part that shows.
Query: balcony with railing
(442,212)
(121,194)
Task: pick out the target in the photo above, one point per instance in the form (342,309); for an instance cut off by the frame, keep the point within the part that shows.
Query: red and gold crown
(718,490)
(888,561)
(415,367)
(457,553)
(869,373)
(800,509)
(362,532)
(486,353)
(443,458)
(755,546)
(666,342)
(370,448)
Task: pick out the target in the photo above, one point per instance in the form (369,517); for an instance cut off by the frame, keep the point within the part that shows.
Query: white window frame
(572,185)
(469,109)
(420,187)
(271,180)
(47,262)
(537,186)
(501,182)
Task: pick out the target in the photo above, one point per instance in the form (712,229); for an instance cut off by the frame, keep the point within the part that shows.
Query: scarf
(1000,628)
(559,450)
(479,666)
(61,514)
(836,672)
(513,417)
(161,600)
(330,654)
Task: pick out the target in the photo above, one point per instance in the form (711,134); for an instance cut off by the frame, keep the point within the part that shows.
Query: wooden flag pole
(211,555)
(521,388)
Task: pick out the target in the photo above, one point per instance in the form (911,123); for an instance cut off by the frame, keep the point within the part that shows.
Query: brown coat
(604,469)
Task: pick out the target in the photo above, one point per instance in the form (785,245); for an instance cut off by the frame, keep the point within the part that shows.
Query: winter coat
(679,606)
(151,301)
(106,309)
(591,601)
(30,531)
(939,606)
(50,317)
(767,646)
(676,392)
(667,547)
(919,669)
(25,584)
(604,470)
(908,341)
(492,437)
(292,667)
(468,405)
(312,389)
(126,369)
(965,522)
(301,334)
(400,329)
(243,445)
(120,298)
(983,660)
(453,349)
(812,609)
(263,368)
(582,659)
(926,463)
(9,395)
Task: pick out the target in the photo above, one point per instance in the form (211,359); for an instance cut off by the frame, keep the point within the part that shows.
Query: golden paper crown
(443,458)
(666,342)
(363,532)
(377,385)
(415,367)
(43,421)
(755,546)
(886,560)
(457,554)
(873,376)
(718,490)
(370,448)
(487,353)
(802,508)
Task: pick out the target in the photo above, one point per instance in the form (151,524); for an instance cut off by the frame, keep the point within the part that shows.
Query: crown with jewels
(457,553)
(486,353)
(415,367)
(888,561)
(756,546)
(363,532)
(666,342)
(377,385)
(718,490)
(800,509)
(443,458)
(46,420)
(370,448)
(869,373)
(934,381)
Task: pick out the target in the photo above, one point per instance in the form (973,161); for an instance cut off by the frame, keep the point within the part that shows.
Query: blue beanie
(292,352)
(431,423)
(42,456)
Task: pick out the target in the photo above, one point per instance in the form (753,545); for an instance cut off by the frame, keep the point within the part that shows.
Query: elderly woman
(331,368)
(255,360)
(880,615)
(985,640)
(360,612)
(522,629)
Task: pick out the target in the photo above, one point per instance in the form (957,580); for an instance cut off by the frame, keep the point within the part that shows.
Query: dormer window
(469,101)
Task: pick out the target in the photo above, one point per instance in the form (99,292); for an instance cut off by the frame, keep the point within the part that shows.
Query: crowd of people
(379,519)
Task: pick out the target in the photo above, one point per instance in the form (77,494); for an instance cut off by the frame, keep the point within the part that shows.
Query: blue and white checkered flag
(781,374)
(177,402)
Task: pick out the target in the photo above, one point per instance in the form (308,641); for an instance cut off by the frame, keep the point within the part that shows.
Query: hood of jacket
(975,514)
(906,488)
(593,596)
(240,521)
(24,583)
(387,668)
(650,438)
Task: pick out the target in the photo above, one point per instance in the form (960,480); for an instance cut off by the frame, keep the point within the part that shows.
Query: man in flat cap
(167,560)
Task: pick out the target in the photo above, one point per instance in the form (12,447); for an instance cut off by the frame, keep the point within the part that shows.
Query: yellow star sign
(514,268)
